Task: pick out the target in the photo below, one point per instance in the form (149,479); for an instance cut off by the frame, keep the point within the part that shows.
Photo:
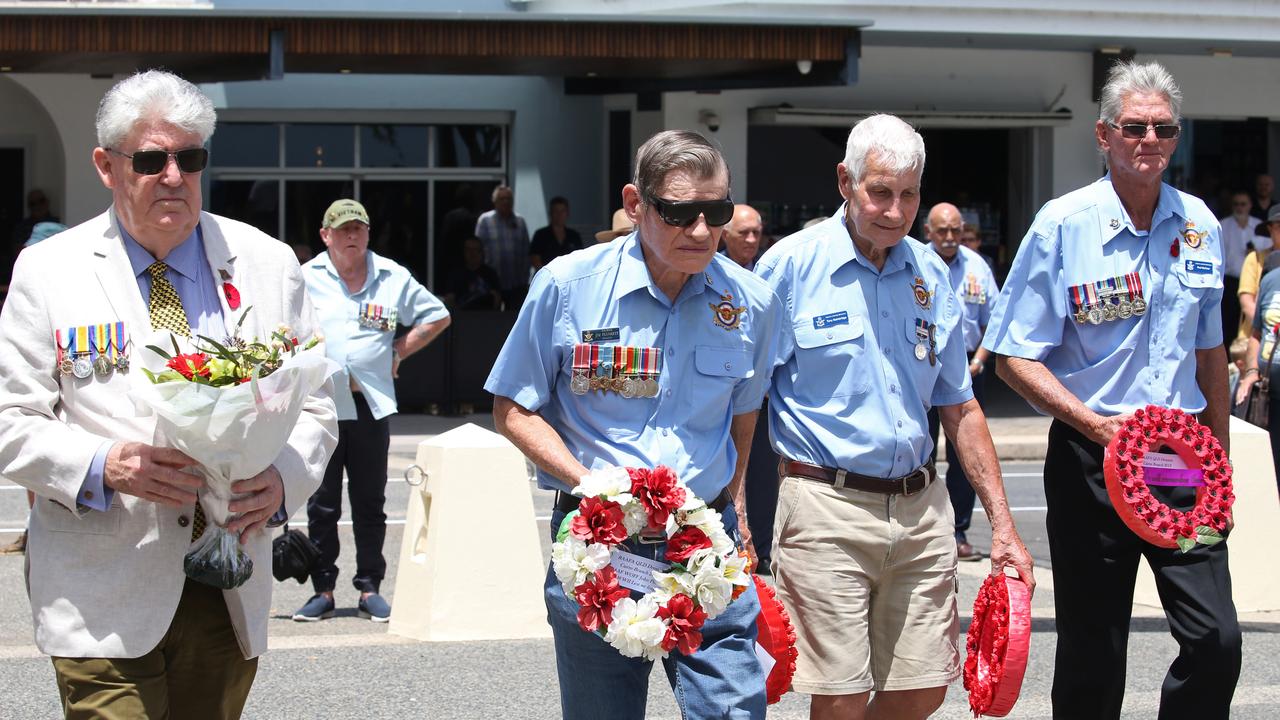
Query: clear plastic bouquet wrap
(231,407)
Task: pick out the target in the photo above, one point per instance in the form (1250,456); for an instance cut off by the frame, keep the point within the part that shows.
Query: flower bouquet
(704,572)
(231,407)
(1131,467)
(996,646)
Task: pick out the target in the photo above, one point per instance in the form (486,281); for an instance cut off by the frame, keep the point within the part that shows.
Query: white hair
(1127,78)
(896,145)
(153,96)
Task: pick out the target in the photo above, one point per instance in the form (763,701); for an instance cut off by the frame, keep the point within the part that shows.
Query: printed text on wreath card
(1169,461)
(635,572)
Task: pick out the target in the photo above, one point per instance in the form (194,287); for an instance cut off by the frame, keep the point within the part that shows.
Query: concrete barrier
(471,563)
(1255,584)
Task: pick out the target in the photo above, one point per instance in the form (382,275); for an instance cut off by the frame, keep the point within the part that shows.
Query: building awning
(593,56)
(828,117)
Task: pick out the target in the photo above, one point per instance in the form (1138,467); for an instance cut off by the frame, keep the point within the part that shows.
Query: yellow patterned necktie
(167,314)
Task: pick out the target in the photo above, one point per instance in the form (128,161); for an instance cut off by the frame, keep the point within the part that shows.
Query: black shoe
(764,567)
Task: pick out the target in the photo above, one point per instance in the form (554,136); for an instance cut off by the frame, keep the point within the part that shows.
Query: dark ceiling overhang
(593,57)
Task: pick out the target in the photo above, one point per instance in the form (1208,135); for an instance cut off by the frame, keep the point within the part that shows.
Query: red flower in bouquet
(599,521)
(233,295)
(190,364)
(682,545)
(684,623)
(657,492)
(596,598)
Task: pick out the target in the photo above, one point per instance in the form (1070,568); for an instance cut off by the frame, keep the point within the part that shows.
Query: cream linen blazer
(106,584)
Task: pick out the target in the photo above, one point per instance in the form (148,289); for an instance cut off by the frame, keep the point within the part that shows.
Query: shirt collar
(841,250)
(184,259)
(1112,217)
(633,273)
(375,265)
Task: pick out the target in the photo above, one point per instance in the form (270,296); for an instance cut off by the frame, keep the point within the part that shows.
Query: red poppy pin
(1173,249)
(229,290)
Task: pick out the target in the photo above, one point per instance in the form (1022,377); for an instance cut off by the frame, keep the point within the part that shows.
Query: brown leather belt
(567,503)
(906,485)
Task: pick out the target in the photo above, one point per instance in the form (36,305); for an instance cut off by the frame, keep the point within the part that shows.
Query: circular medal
(81,367)
(579,384)
(1095,315)
(921,352)
(1139,306)
(66,366)
(628,388)
(1110,312)
(651,387)
(1126,309)
(103,366)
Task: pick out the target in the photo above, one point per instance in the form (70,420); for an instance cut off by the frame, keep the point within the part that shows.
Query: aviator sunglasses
(685,213)
(1137,131)
(153,162)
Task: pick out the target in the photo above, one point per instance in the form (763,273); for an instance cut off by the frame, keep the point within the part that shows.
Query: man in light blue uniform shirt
(975,289)
(360,299)
(663,291)
(1112,304)
(864,553)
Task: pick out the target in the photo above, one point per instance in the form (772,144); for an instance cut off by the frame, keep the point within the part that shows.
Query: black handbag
(292,555)
(1257,406)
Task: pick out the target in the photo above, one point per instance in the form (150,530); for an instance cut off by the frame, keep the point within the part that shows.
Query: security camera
(710,119)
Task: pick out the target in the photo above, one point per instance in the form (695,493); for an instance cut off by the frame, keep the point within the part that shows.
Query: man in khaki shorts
(865,556)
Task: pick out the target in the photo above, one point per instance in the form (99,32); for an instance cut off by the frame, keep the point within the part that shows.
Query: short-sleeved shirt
(1085,237)
(717,340)
(850,389)
(1238,242)
(975,287)
(363,351)
(1267,319)
(506,247)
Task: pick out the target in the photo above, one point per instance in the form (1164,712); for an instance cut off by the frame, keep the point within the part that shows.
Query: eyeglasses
(1138,131)
(153,162)
(685,213)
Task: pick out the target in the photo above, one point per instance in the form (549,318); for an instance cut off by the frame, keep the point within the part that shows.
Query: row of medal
(1117,298)
(376,317)
(632,372)
(973,292)
(89,349)
(926,341)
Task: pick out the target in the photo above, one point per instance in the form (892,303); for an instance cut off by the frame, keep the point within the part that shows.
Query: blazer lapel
(118,282)
(222,260)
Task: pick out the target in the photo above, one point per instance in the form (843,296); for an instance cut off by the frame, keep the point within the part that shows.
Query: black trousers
(1095,563)
(959,488)
(362,449)
(762,487)
(1230,307)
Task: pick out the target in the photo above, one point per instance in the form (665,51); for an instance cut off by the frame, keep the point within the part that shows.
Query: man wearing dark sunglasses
(1112,304)
(649,350)
(129,634)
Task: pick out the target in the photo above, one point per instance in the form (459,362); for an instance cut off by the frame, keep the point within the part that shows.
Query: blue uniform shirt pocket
(723,362)
(830,357)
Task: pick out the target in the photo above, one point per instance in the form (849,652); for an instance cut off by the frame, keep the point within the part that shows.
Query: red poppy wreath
(777,637)
(997,645)
(1131,468)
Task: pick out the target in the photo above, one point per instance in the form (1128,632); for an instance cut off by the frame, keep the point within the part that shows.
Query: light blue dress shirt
(975,288)
(710,371)
(191,276)
(850,391)
(365,353)
(1116,366)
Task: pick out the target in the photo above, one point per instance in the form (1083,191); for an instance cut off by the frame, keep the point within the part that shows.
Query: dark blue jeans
(723,679)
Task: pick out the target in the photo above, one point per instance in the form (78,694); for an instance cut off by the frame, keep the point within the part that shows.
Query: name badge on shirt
(830,319)
(1199,267)
(601,335)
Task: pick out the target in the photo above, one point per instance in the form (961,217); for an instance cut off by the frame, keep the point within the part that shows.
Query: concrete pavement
(351,668)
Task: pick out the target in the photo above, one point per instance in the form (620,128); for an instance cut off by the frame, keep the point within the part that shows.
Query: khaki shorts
(870,583)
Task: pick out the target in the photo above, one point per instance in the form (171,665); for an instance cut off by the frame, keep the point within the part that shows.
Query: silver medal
(1095,315)
(1139,306)
(628,387)
(1110,312)
(1126,309)
(921,351)
(81,366)
(579,384)
(651,387)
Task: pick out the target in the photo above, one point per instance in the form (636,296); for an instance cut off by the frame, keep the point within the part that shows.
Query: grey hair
(1127,78)
(675,150)
(156,96)
(493,197)
(896,145)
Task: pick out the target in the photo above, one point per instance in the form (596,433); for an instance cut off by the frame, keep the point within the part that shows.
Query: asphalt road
(351,668)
